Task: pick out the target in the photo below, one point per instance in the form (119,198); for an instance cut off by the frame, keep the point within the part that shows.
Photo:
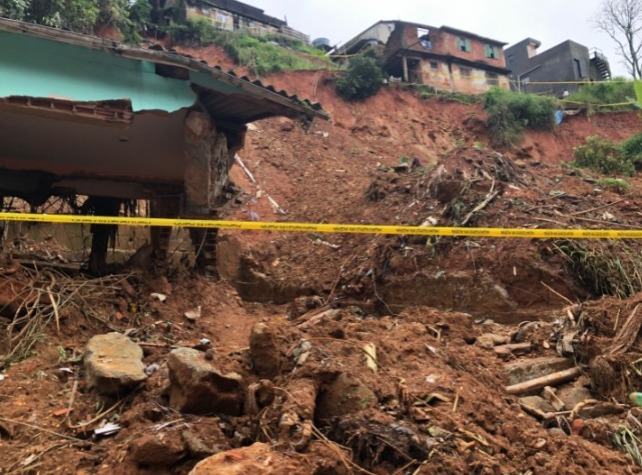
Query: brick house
(445,58)
(230,15)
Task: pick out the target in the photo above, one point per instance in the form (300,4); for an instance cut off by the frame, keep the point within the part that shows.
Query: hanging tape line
(328,228)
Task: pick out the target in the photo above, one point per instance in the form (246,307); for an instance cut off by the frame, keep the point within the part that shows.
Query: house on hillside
(230,15)
(565,63)
(445,58)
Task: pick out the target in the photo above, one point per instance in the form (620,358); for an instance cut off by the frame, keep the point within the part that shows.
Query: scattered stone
(196,387)
(196,447)
(515,349)
(303,305)
(571,396)
(345,395)
(526,370)
(113,364)
(538,403)
(490,340)
(194,314)
(264,352)
(255,459)
(163,449)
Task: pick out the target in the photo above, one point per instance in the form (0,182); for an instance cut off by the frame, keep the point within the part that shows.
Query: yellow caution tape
(328,228)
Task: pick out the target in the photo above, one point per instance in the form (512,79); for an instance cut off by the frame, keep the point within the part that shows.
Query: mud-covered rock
(345,395)
(197,447)
(528,369)
(196,387)
(162,449)
(490,340)
(265,355)
(255,459)
(113,364)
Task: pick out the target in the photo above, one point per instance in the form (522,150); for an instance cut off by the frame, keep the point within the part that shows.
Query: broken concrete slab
(196,387)
(113,364)
(528,369)
(538,403)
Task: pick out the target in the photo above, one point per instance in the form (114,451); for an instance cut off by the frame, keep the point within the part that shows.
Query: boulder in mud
(113,364)
(345,395)
(265,355)
(255,459)
(196,387)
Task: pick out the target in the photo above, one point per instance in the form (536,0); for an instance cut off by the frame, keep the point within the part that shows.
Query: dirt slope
(435,403)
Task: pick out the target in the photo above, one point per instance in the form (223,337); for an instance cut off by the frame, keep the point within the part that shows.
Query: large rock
(264,353)
(345,395)
(197,387)
(163,449)
(113,364)
(527,369)
(257,459)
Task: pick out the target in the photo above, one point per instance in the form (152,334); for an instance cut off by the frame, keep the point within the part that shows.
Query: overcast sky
(550,21)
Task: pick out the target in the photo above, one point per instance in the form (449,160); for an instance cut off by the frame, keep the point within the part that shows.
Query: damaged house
(229,15)
(445,58)
(80,115)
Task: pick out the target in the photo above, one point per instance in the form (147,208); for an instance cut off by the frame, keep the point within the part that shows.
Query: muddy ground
(372,354)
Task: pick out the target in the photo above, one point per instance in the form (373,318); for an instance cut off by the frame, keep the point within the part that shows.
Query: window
(577,65)
(492,52)
(434,65)
(492,79)
(511,59)
(463,44)
(465,72)
(423,37)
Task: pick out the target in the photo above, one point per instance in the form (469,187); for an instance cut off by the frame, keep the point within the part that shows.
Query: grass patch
(510,113)
(615,184)
(604,94)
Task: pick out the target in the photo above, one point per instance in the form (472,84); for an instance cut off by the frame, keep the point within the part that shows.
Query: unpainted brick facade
(446,59)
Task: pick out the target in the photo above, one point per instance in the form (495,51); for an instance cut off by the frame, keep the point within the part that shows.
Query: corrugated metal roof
(226,96)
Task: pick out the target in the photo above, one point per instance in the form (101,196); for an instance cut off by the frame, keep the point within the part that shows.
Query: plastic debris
(636,398)
(371,356)
(152,368)
(108,429)
(160,297)
(67,370)
(2,376)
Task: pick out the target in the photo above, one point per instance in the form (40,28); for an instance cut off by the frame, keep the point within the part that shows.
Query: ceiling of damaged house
(79,109)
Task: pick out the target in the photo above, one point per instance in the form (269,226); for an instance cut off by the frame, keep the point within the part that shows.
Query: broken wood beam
(554,379)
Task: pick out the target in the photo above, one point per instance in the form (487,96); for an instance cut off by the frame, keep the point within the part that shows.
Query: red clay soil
(436,402)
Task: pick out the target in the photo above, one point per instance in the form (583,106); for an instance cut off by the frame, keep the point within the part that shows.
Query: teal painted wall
(37,67)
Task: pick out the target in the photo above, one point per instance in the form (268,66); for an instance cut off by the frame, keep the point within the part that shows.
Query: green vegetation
(510,113)
(263,55)
(616,184)
(82,16)
(609,158)
(603,95)
(362,79)
(607,267)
